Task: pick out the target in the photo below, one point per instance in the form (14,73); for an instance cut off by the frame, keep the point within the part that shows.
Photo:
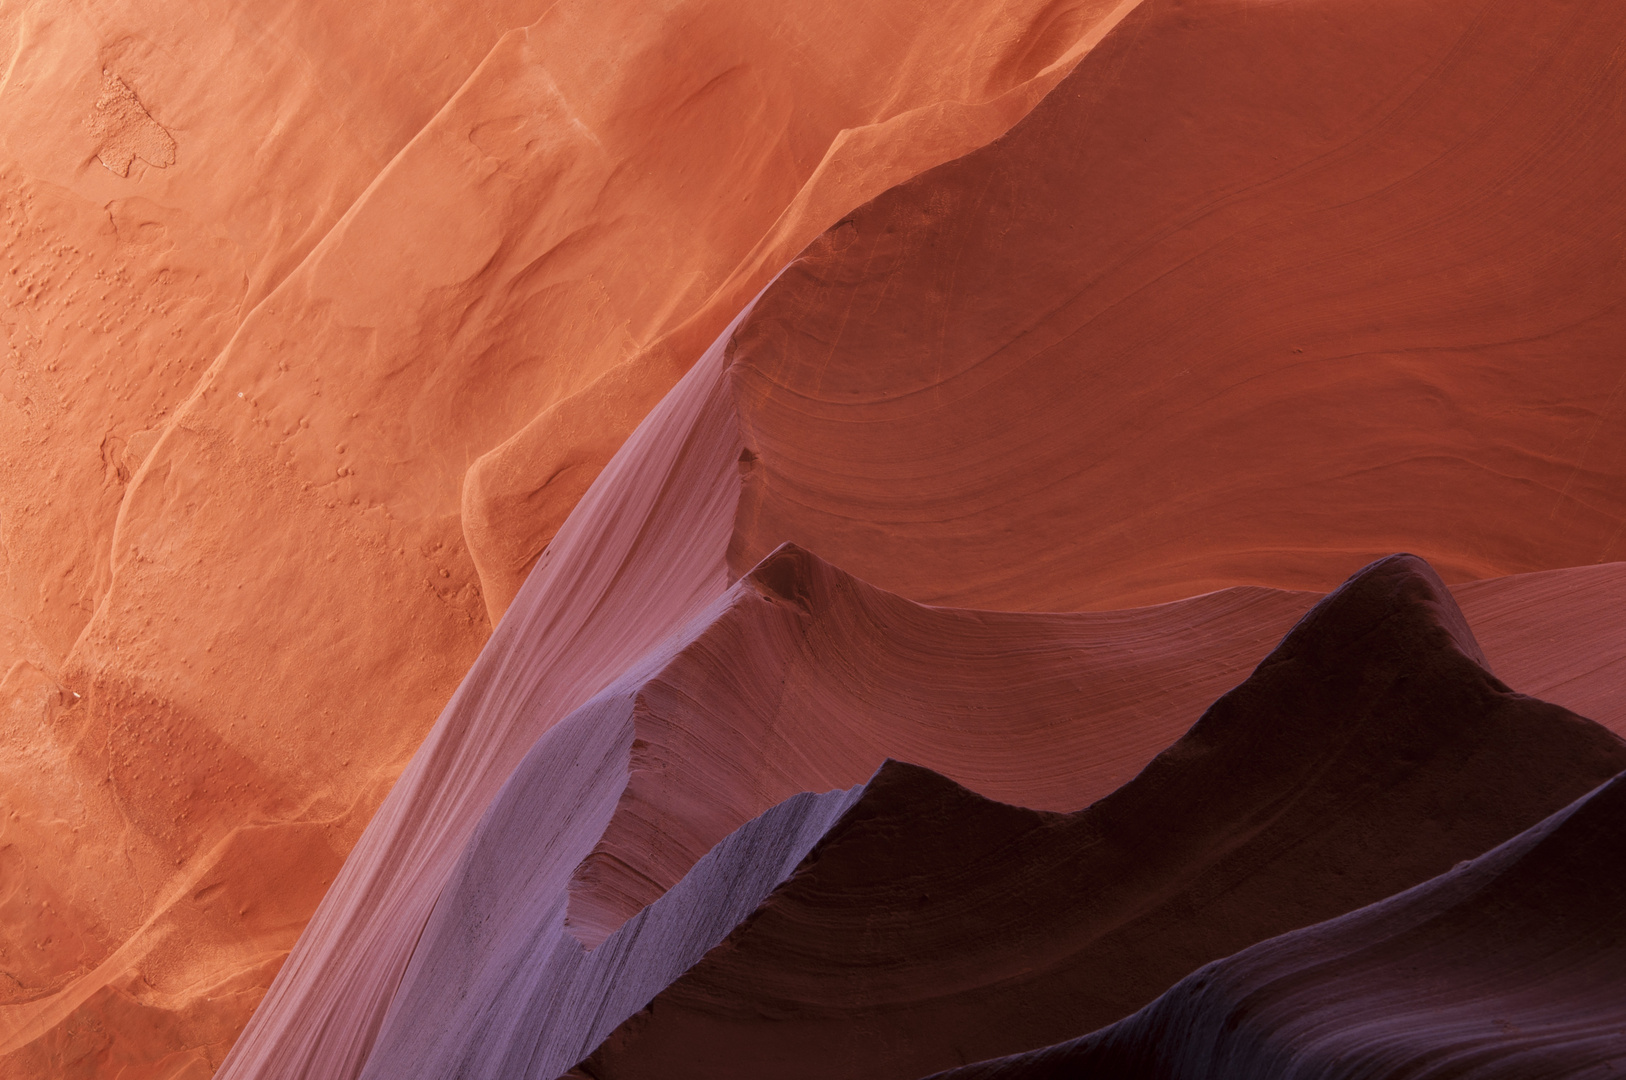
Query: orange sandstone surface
(326,328)
(317,320)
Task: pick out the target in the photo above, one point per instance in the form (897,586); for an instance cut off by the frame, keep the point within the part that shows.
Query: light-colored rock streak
(643,554)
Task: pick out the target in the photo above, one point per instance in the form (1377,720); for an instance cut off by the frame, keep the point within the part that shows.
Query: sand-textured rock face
(317,320)
(698,405)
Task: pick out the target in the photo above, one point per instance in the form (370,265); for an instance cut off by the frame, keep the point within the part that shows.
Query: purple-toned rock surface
(1369,752)
(1508,967)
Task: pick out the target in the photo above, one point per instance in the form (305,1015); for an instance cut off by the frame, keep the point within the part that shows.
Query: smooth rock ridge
(1369,752)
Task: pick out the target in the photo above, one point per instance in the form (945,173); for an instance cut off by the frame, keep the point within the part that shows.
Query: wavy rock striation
(1369,752)
(1257,294)
(305,369)
(795,677)
(744,694)
(316,319)
(1507,967)
(498,987)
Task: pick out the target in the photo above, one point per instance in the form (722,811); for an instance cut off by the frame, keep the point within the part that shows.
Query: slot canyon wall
(700,538)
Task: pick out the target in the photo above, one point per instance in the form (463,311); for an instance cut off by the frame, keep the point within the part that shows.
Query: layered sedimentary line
(1370,751)
(636,593)
(642,556)
(498,987)
(801,676)
(1510,966)
(798,677)
(242,395)
(1256,294)
(922,874)
(1559,635)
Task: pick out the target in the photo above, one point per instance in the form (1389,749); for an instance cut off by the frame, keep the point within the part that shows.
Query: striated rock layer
(741,696)
(1508,967)
(1370,751)
(737,697)
(1254,294)
(926,923)
(1260,292)
(319,319)
(315,320)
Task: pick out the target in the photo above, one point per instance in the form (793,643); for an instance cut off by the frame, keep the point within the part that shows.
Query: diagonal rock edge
(672,484)
(937,133)
(689,766)
(496,986)
(564,641)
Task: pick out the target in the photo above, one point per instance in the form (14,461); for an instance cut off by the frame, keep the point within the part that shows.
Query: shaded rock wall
(275,278)
(1508,966)
(322,322)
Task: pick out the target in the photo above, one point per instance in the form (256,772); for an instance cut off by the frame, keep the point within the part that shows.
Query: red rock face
(1254,296)
(318,319)
(368,362)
